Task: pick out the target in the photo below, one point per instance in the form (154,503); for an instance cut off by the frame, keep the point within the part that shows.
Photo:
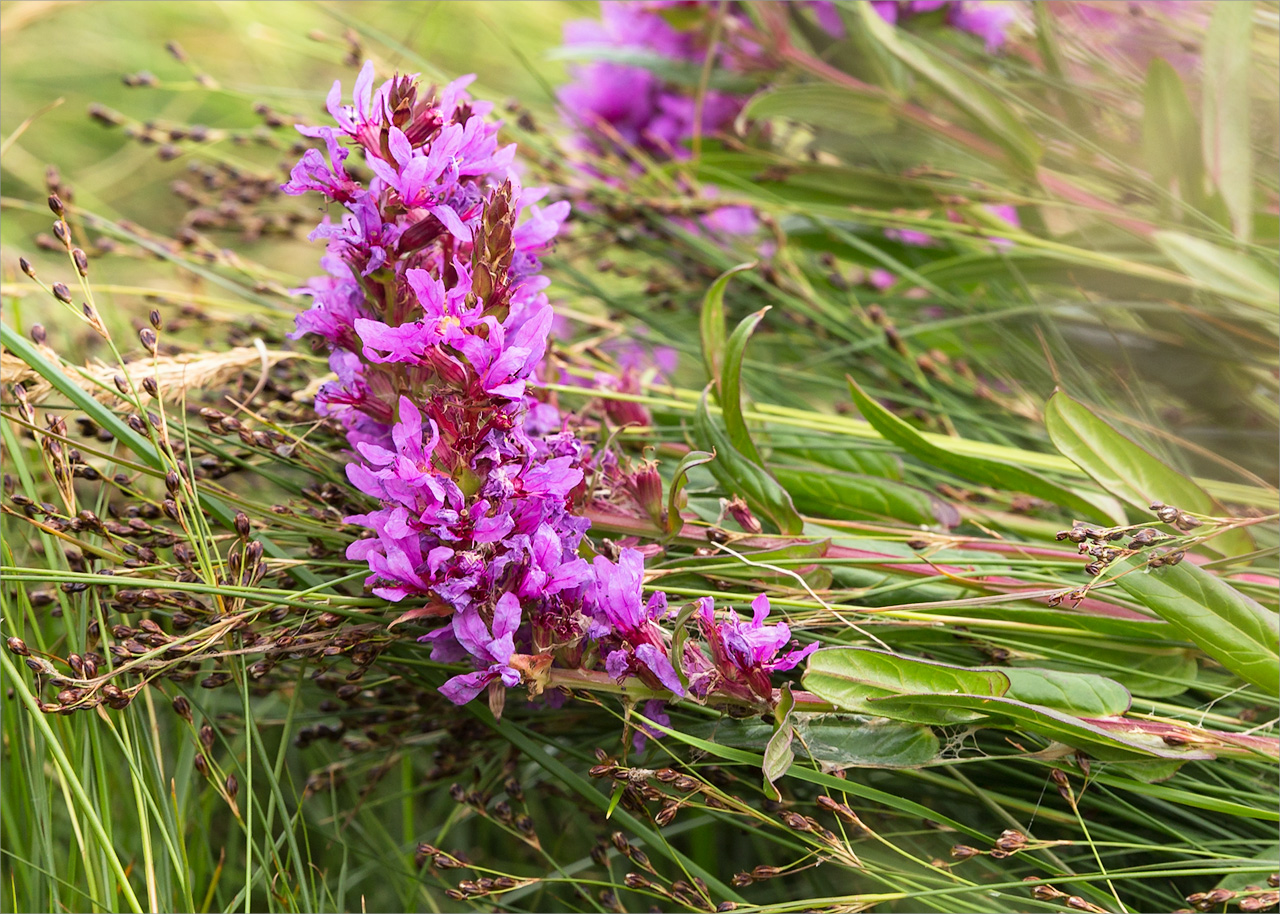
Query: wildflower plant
(698,489)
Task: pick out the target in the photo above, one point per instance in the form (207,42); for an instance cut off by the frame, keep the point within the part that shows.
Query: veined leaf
(1151,672)
(843,496)
(861,461)
(1085,694)
(849,677)
(835,743)
(711,323)
(966,94)
(740,476)
(1055,725)
(1233,629)
(1225,131)
(731,387)
(1128,471)
(981,470)
(778,754)
(822,105)
(1221,270)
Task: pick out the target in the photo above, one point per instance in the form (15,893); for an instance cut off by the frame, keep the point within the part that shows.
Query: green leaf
(1151,672)
(740,476)
(822,105)
(1225,106)
(711,323)
(843,496)
(731,387)
(778,754)
(1055,725)
(985,471)
(1128,471)
(835,743)
(679,632)
(1233,629)
(861,461)
(965,93)
(1170,134)
(1221,270)
(1085,694)
(687,463)
(849,677)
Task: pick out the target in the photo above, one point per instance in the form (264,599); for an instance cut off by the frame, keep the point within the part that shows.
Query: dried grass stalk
(174,375)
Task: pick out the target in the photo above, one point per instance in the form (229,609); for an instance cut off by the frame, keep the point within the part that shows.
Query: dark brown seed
(964,852)
(207,737)
(182,707)
(25,266)
(635,881)
(741,880)
(19,647)
(55,206)
(233,786)
(62,293)
(82,261)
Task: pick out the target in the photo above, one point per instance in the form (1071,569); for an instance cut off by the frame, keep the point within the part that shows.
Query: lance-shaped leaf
(731,387)
(1233,629)
(1128,471)
(844,496)
(1063,728)
(982,470)
(1170,134)
(711,323)
(1085,694)
(1225,98)
(740,476)
(822,105)
(778,754)
(849,677)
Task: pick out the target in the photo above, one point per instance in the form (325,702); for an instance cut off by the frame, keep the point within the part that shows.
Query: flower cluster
(436,318)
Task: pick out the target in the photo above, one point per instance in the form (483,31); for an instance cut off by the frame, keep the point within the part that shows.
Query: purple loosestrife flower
(746,653)
(490,645)
(620,617)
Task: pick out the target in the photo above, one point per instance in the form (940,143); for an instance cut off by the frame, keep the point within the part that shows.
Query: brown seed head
(62,293)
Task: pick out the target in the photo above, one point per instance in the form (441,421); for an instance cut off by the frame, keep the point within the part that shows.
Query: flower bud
(62,293)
